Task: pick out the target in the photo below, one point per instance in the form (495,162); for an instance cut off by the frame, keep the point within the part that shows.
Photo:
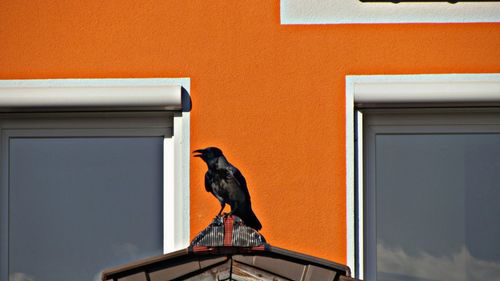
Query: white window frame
(110,95)
(425,89)
(356,12)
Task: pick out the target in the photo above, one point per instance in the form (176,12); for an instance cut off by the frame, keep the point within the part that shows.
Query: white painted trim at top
(424,88)
(458,88)
(355,11)
(90,93)
(128,93)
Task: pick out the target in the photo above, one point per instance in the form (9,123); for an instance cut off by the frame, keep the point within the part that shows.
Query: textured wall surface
(271,96)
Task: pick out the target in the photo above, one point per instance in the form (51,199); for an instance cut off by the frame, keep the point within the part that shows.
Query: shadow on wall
(186,100)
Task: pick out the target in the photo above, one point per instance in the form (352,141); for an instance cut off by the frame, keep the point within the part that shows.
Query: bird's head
(209,154)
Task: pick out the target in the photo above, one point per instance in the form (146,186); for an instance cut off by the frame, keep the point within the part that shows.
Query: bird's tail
(250,219)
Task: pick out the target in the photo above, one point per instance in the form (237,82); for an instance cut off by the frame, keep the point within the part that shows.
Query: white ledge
(451,88)
(356,12)
(69,94)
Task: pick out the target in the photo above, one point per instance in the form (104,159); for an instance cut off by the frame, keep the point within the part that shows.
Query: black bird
(228,185)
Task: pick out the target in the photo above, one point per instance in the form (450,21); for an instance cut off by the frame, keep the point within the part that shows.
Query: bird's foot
(222,215)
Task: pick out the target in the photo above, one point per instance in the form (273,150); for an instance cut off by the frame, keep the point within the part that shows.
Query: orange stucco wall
(271,96)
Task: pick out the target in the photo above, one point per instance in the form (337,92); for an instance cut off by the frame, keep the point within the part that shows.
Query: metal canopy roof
(241,264)
(229,250)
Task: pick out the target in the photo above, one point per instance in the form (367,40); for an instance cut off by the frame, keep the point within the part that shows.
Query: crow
(228,185)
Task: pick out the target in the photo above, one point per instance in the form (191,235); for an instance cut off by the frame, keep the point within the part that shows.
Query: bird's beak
(199,151)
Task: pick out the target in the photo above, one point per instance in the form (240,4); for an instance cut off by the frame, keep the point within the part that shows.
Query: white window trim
(407,89)
(73,94)
(356,12)
(142,94)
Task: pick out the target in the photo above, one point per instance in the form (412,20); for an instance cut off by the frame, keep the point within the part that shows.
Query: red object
(228,231)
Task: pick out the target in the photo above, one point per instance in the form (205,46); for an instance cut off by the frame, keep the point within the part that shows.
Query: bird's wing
(239,178)
(208,182)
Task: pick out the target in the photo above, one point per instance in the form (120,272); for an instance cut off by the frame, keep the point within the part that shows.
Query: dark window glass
(437,207)
(80,205)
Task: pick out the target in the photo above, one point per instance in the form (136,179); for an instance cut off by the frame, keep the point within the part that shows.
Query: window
(430,94)
(93,175)
(432,191)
